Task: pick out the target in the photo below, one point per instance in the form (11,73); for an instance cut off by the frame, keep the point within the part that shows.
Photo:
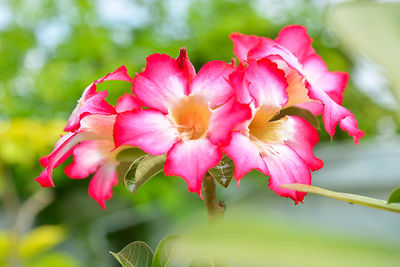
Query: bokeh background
(51,50)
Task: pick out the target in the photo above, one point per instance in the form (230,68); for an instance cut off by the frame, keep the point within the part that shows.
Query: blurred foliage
(51,50)
(35,248)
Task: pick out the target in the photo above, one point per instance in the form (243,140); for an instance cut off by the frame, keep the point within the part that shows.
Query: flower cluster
(194,118)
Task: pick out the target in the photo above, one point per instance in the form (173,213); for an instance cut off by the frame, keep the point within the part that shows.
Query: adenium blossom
(189,115)
(281,149)
(90,140)
(310,84)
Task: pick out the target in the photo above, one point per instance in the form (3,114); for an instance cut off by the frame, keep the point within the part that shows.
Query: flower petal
(245,155)
(242,44)
(295,39)
(88,156)
(120,74)
(267,83)
(286,167)
(191,160)
(100,187)
(240,85)
(225,118)
(98,126)
(127,102)
(162,82)
(211,82)
(148,129)
(302,137)
(186,65)
(349,124)
(60,153)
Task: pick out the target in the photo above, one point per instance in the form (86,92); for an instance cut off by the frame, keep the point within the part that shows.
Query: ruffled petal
(301,136)
(57,156)
(267,83)
(286,167)
(93,102)
(211,82)
(161,83)
(349,124)
(186,65)
(240,85)
(88,156)
(225,118)
(295,39)
(191,160)
(242,44)
(127,102)
(245,155)
(148,129)
(100,187)
(98,126)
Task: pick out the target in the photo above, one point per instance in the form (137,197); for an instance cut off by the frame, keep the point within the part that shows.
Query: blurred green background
(51,50)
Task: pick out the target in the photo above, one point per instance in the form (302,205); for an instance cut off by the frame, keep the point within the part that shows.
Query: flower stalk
(214,210)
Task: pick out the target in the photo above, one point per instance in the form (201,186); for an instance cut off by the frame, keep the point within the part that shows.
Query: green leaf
(223,172)
(130,154)
(351,198)
(202,262)
(165,251)
(300,112)
(142,169)
(394,196)
(135,254)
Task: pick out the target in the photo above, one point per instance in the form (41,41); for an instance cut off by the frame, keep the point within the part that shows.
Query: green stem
(214,210)
(351,198)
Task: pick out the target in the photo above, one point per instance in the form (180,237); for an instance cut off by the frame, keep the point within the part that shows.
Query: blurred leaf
(136,254)
(142,170)
(300,112)
(351,198)
(130,154)
(165,251)
(223,172)
(54,259)
(202,262)
(394,196)
(41,239)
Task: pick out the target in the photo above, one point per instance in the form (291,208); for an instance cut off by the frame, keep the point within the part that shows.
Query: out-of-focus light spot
(122,12)
(34,59)
(122,37)
(370,79)
(5,16)
(50,33)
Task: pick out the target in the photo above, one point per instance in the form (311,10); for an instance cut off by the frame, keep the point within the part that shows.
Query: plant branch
(214,210)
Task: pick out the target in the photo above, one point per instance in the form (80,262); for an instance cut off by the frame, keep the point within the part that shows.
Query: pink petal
(240,85)
(295,39)
(267,83)
(100,187)
(302,137)
(93,102)
(286,167)
(127,102)
(161,82)
(120,74)
(186,65)
(211,82)
(191,160)
(242,44)
(245,155)
(57,156)
(88,156)
(98,126)
(225,118)
(349,124)
(148,129)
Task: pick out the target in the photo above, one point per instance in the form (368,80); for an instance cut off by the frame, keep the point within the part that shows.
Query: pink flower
(310,84)
(189,116)
(281,149)
(92,142)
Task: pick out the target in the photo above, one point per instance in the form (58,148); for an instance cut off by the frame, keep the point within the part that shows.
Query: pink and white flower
(310,84)
(189,116)
(91,144)
(281,149)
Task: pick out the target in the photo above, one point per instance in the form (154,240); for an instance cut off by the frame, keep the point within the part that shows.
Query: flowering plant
(217,124)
